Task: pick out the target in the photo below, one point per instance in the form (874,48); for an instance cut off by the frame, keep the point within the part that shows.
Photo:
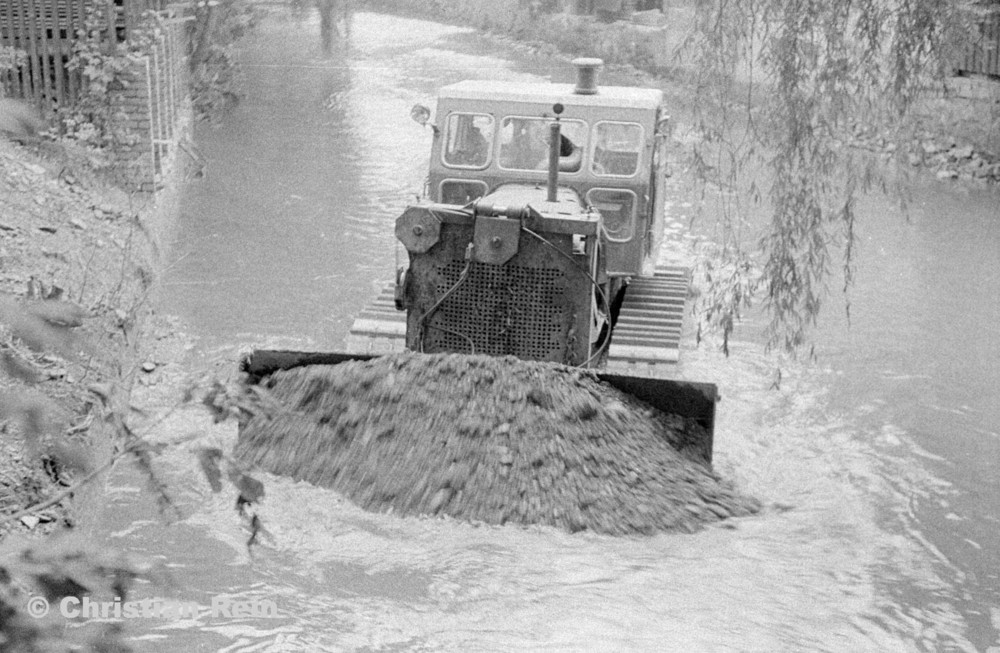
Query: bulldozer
(537,237)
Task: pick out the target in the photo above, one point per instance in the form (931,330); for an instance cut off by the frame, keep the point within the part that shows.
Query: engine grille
(503,309)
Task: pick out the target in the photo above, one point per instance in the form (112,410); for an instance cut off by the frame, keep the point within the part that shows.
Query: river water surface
(877,464)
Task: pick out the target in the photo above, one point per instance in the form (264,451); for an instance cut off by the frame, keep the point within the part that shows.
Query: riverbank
(956,123)
(76,244)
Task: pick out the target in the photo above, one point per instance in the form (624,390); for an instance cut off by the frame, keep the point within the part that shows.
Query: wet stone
(493,440)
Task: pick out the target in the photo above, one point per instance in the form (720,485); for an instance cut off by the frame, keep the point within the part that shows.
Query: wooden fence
(153,109)
(981,54)
(167,97)
(46,30)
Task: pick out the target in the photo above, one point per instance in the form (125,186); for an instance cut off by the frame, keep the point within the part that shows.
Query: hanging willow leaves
(784,90)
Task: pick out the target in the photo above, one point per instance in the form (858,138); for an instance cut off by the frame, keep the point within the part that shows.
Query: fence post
(58,67)
(168,71)
(152,138)
(995,43)
(33,54)
(71,79)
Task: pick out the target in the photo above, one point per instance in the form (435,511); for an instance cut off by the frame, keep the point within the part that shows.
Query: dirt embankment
(72,245)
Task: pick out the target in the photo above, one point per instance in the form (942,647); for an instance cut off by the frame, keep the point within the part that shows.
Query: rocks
(986,171)
(48,257)
(949,160)
(494,440)
(958,153)
(34,168)
(102,390)
(941,154)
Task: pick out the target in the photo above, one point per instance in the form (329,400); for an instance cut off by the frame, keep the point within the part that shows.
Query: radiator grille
(503,309)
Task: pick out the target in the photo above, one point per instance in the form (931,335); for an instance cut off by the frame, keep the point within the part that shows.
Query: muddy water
(877,464)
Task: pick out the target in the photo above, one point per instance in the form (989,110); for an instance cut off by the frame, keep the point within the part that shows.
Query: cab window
(617,147)
(524,144)
(468,140)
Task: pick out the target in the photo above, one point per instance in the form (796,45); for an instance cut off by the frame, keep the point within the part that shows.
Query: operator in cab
(467,140)
(525,146)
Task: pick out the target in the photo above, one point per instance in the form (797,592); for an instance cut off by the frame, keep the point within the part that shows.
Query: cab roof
(607,96)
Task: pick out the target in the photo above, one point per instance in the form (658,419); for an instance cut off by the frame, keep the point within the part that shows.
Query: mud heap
(496,440)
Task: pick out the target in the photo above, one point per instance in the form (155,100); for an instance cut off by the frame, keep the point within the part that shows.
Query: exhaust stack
(586,75)
(555,144)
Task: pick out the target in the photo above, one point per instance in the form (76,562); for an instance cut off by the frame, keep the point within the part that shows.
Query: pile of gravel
(496,440)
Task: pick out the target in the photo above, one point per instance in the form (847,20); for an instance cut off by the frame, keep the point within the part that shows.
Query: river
(876,463)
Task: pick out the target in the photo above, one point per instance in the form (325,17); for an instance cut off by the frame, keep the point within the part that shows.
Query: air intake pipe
(555,145)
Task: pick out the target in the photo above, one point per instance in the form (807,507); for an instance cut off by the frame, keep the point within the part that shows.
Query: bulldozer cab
(490,134)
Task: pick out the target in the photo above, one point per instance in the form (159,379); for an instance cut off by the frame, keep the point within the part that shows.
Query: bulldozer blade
(688,399)
(264,362)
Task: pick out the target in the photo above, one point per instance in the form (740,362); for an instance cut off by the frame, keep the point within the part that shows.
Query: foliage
(217,26)
(35,577)
(62,567)
(11,58)
(32,572)
(45,326)
(107,68)
(234,400)
(784,88)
